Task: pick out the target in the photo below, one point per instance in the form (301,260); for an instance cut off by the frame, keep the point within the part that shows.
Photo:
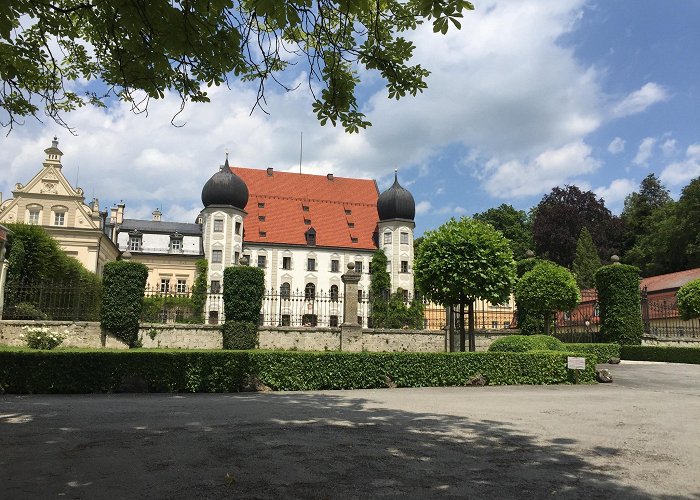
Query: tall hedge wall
(244,288)
(122,300)
(66,371)
(619,300)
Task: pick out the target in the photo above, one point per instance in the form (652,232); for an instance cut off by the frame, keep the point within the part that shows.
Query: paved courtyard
(636,438)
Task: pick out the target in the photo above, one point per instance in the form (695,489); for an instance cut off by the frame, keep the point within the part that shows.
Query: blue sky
(527,96)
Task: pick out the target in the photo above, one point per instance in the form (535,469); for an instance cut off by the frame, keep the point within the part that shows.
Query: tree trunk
(472,338)
(461,326)
(546,323)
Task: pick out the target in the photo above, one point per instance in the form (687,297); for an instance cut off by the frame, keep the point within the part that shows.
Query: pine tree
(586,260)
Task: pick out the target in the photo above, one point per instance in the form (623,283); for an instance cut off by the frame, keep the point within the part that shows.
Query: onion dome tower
(224,196)
(397,209)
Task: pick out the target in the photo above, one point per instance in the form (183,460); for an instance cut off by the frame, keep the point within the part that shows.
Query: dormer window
(348,211)
(134,243)
(311,237)
(261,205)
(305,208)
(351,225)
(176,242)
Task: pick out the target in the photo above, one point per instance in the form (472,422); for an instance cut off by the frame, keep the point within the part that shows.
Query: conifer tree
(586,260)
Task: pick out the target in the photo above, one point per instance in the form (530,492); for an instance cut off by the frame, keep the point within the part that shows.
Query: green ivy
(689,355)
(239,335)
(688,297)
(154,306)
(619,300)
(73,371)
(244,288)
(122,301)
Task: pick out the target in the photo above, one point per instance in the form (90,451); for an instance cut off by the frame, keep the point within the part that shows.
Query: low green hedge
(239,335)
(73,371)
(524,343)
(604,352)
(661,353)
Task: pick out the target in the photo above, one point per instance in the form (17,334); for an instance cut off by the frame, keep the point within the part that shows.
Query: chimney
(269,171)
(113,215)
(120,212)
(156,215)
(329,177)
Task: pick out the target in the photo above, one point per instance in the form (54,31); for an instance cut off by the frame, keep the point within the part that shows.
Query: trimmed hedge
(619,299)
(688,297)
(244,288)
(72,371)
(122,300)
(524,343)
(604,352)
(239,335)
(661,353)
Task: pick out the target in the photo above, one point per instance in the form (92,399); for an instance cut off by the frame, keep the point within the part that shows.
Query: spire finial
(226,166)
(396,175)
(55,142)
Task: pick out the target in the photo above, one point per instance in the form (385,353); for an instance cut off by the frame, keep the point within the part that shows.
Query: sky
(527,96)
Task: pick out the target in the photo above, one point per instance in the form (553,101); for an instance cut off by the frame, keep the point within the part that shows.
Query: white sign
(575,363)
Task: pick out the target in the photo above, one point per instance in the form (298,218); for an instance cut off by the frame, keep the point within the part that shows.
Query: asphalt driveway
(635,438)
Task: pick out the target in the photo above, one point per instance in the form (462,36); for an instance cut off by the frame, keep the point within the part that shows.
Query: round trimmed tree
(462,261)
(546,289)
(688,298)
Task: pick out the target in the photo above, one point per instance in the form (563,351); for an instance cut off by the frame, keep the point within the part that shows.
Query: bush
(527,323)
(244,288)
(199,291)
(70,371)
(122,300)
(240,335)
(688,298)
(689,355)
(26,310)
(42,337)
(619,300)
(603,352)
(524,343)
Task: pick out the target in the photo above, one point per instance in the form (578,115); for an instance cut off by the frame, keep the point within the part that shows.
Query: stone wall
(86,334)
(299,338)
(671,342)
(484,338)
(180,336)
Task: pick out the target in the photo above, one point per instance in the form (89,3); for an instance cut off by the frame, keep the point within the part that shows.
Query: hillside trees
(515,225)
(141,50)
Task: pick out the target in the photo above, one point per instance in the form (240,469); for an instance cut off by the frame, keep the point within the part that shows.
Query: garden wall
(79,334)
(671,342)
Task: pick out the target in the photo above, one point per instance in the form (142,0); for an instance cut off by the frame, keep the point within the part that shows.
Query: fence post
(350,330)
(645,311)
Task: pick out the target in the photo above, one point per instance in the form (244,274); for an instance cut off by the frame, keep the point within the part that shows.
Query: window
(307,222)
(286,320)
(261,205)
(215,286)
(310,264)
(335,265)
(348,211)
(238,228)
(358,266)
(334,293)
(33,217)
(404,293)
(351,224)
(387,238)
(181,286)
(359,320)
(164,285)
(261,218)
(404,238)
(309,320)
(218,225)
(353,240)
(360,294)
(494,324)
(216,256)
(404,266)
(236,257)
(305,208)
(333,320)
(262,261)
(262,234)
(286,262)
(59,219)
(134,243)
(176,245)
(506,324)
(285,291)
(261,319)
(311,237)
(310,291)
(213,317)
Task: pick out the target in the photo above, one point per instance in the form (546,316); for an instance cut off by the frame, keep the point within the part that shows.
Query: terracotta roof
(342,211)
(670,281)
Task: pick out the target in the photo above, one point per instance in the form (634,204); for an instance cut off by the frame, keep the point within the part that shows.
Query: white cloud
(680,173)
(645,151)
(551,168)
(423,207)
(616,146)
(669,147)
(640,100)
(616,191)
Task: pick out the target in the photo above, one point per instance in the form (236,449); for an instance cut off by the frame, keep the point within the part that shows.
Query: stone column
(350,330)
(4,264)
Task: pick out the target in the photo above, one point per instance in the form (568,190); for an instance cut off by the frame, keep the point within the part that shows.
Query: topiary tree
(529,324)
(688,298)
(199,289)
(244,288)
(586,261)
(122,299)
(379,288)
(619,300)
(545,289)
(464,260)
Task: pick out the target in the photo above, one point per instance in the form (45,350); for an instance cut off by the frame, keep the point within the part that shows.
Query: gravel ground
(636,438)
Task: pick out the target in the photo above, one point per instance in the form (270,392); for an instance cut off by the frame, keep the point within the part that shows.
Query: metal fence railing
(662,318)
(50,301)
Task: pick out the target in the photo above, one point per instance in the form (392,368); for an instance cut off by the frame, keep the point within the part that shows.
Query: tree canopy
(586,261)
(515,225)
(640,206)
(561,215)
(140,49)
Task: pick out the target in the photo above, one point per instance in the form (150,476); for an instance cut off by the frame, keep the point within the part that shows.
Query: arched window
(285,291)
(334,293)
(310,291)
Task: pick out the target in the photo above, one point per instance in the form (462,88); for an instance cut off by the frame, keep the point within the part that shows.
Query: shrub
(122,300)
(27,310)
(71,371)
(619,300)
(244,288)
(42,337)
(661,353)
(524,343)
(545,289)
(688,298)
(240,335)
(199,291)
(603,352)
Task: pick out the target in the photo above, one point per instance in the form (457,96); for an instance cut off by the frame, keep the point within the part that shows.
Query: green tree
(529,324)
(515,225)
(141,49)
(199,290)
(688,297)
(461,261)
(586,261)
(379,288)
(545,289)
(639,209)
(122,302)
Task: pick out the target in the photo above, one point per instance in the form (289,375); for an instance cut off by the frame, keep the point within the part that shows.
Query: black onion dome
(225,188)
(396,203)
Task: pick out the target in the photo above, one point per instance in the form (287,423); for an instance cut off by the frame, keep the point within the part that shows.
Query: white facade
(159,243)
(396,239)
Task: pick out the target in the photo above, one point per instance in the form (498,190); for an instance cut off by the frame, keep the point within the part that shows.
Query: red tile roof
(343,211)
(670,281)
